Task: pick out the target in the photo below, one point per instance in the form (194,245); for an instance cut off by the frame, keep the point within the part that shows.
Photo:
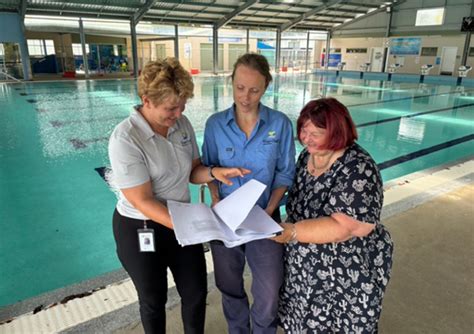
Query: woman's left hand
(286,234)
(223,174)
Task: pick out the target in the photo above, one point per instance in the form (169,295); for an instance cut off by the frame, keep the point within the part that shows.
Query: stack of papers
(235,220)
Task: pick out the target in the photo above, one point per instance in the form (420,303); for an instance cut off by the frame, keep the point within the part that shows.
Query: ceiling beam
(363,17)
(22,9)
(226,19)
(293,5)
(310,13)
(198,4)
(366,5)
(142,11)
(345,11)
(77,12)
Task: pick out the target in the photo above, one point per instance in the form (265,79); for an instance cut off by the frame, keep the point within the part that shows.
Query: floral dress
(336,287)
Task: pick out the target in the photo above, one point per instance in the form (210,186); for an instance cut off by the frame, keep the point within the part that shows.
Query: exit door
(376,59)
(448,60)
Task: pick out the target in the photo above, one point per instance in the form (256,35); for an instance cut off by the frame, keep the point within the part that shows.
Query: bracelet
(210,172)
(293,235)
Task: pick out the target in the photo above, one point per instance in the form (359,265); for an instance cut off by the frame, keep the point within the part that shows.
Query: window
(355,50)
(332,50)
(77,49)
(36,47)
(429,51)
(49,46)
(429,17)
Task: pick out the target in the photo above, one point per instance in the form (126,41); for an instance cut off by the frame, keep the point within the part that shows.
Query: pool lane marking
(86,97)
(406,98)
(58,124)
(422,152)
(414,115)
(382,165)
(79,143)
(102,105)
(60,89)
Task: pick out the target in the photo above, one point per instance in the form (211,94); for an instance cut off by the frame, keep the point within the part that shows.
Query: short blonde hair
(165,78)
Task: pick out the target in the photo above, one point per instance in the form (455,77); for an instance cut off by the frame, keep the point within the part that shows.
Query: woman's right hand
(224,174)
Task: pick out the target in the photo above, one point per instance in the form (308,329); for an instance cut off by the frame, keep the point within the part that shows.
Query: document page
(235,220)
(258,222)
(196,223)
(235,208)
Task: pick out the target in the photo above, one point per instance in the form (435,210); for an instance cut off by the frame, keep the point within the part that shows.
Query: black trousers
(148,272)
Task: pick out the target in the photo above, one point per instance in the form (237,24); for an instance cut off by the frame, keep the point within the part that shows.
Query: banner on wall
(334,59)
(405,46)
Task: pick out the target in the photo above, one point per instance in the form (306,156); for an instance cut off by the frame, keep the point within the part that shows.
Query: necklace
(318,170)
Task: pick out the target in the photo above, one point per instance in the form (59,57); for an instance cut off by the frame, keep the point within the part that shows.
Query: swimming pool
(55,209)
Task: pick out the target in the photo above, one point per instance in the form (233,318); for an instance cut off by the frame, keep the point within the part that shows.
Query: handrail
(9,76)
(202,192)
(202,197)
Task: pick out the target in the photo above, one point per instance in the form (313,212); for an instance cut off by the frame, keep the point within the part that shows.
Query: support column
(98,59)
(215,49)
(24,53)
(387,36)
(248,40)
(84,52)
(307,53)
(134,47)
(176,42)
(328,45)
(25,60)
(278,50)
(465,51)
(44,48)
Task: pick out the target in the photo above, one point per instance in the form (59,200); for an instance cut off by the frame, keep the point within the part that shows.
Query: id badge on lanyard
(146,238)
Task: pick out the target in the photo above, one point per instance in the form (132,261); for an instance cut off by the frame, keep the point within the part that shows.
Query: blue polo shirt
(269,152)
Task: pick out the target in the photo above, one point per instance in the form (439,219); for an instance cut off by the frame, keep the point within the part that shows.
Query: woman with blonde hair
(154,156)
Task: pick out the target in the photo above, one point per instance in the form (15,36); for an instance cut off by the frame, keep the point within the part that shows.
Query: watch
(210,172)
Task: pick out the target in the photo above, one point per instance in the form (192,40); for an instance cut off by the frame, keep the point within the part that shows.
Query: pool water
(56,209)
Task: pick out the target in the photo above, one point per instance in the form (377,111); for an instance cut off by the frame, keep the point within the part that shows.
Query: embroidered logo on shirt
(271,134)
(184,138)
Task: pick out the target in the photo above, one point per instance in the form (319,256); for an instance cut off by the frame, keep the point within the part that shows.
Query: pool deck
(429,215)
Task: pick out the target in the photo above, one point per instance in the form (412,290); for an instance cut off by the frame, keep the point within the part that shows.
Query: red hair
(332,115)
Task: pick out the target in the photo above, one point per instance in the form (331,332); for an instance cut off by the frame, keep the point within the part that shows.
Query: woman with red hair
(338,257)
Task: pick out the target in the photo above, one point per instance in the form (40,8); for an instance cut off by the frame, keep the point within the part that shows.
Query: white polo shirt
(137,154)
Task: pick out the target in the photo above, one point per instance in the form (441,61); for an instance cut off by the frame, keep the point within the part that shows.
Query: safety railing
(11,77)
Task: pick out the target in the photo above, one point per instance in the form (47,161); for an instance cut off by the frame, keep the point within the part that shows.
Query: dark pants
(265,259)
(148,272)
